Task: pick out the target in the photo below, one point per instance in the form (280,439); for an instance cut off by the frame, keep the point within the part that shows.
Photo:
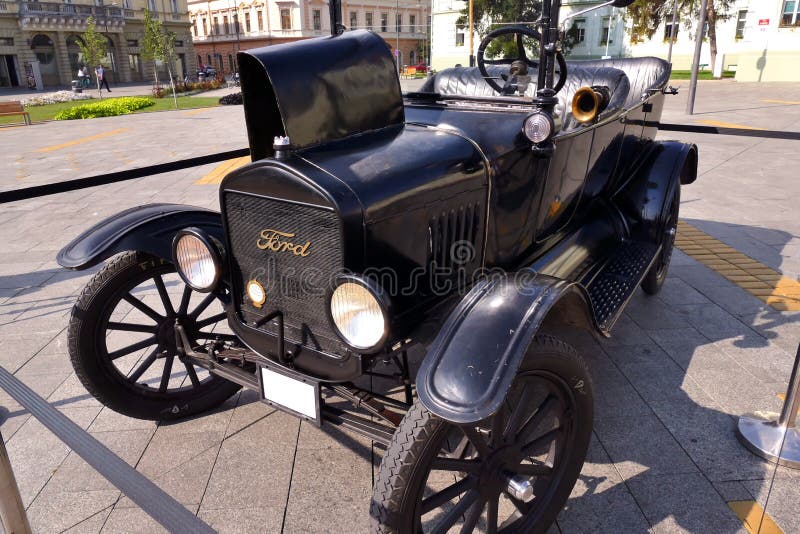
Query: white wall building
(449,41)
(597,33)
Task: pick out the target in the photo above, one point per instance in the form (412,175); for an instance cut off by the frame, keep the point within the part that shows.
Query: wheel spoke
(131,327)
(185,298)
(533,470)
(521,410)
(131,348)
(142,307)
(537,417)
(448,494)
(166,374)
(477,440)
(491,515)
(455,512)
(456,464)
(192,373)
(472,516)
(162,292)
(528,449)
(211,320)
(205,303)
(145,365)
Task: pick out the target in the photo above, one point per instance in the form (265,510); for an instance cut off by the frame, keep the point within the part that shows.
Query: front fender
(472,362)
(148,228)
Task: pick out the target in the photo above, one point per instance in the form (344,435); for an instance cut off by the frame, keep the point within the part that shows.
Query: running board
(612,285)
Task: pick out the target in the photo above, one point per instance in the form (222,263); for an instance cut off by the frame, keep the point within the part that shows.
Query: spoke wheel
(123,346)
(511,473)
(657,275)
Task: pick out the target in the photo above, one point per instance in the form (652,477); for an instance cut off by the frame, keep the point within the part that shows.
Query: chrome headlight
(197,259)
(359,311)
(538,127)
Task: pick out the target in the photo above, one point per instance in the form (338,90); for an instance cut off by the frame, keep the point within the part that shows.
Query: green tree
(486,15)
(647,15)
(158,45)
(94,47)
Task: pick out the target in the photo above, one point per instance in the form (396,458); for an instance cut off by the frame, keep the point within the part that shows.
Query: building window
(209,59)
(216,25)
(225,24)
(133,62)
(260,17)
(353,20)
(668,30)
(398,22)
(317,16)
(133,43)
(604,33)
(579,27)
(230,63)
(151,5)
(247,22)
(286,19)
(194,27)
(384,22)
(205,26)
(460,28)
(791,13)
(741,19)
(199,60)
(412,21)
(369,21)
(173,5)
(178,44)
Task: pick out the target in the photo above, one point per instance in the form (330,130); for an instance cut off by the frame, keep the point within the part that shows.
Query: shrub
(106,108)
(233,99)
(52,98)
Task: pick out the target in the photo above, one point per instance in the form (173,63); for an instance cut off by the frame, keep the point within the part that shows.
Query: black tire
(118,377)
(655,277)
(399,494)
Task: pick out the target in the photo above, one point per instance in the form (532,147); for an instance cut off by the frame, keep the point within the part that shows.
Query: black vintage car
(473,219)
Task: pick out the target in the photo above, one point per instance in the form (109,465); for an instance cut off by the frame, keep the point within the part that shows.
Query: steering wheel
(519,61)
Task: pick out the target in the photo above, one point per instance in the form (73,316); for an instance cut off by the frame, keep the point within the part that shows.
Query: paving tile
(90,525)
(649,369)
(734,299)
(680,343)
(337,485)
(714,322)
(254,466)
(134,521)
(697,507)
(625,332)
(675,292)
(784,495)
(642,445)
(54,511)
(238,520)
(651,314)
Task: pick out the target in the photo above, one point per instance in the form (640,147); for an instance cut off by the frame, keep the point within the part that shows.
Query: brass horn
(588,102)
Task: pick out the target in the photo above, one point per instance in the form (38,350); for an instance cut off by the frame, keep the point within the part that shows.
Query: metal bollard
(777,441)
(12,512)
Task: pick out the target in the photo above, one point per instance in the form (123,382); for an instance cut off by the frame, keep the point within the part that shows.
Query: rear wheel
(655,277)
(122,340)
(511,473)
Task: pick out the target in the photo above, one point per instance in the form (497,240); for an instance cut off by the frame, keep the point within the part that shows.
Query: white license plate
(298,397)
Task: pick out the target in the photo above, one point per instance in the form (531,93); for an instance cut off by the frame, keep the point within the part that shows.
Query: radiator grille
(453,237)
(296,285)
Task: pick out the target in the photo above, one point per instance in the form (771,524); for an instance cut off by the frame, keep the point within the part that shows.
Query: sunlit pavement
(670,383)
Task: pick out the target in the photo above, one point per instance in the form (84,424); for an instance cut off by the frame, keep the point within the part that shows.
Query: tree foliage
(488,13)
(93,46)
(158,45)
(647,15)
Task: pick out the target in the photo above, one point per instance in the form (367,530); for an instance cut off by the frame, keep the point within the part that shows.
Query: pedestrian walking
(81,77)
(100,72)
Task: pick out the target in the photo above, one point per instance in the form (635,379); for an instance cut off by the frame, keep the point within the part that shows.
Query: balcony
(51,15)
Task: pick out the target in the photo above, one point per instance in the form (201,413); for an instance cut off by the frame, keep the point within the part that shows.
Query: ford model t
(468,221)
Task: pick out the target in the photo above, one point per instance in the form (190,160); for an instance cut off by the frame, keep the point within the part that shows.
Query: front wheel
(511,473)
(122,340)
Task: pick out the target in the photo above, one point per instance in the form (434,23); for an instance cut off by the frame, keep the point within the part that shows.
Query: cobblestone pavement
(670,383)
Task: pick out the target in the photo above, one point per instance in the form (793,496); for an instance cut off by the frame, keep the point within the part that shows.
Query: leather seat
(644,74)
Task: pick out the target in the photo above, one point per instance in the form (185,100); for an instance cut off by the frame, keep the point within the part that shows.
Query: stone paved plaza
(670,384)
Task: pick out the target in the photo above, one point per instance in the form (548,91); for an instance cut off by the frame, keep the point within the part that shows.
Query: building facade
(49,32)
(760,41)
(221,28)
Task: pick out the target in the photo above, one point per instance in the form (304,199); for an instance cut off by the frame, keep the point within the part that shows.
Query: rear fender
(149,228)
(472,362)
(643,199)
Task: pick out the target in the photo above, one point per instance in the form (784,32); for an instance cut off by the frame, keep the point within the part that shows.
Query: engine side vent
(454,237)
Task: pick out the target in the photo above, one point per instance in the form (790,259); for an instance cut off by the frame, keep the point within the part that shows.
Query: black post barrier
(743,132)
(158,504)
(113,177)
(777,441)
